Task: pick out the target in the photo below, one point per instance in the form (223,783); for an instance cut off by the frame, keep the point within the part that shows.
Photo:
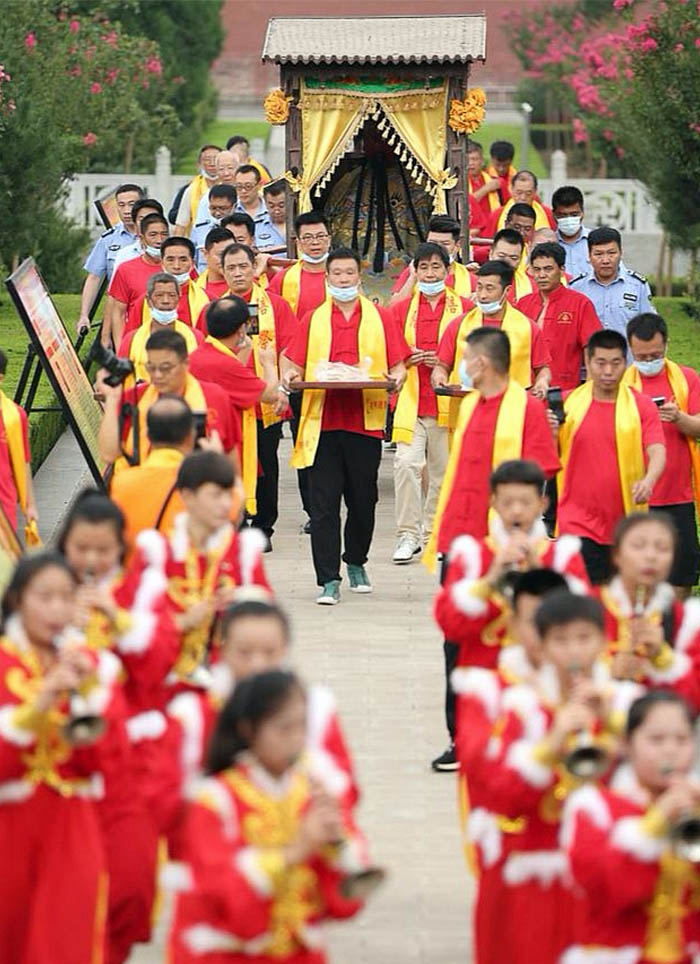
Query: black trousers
(596,558)
(346,466)
(303,475)
(266,491)
(451,652)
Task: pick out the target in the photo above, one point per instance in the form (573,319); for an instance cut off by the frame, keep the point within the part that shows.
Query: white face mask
(182,278)
(343,294)
(433,288)
(163,316)
(311,260)
(650,368)
(490,307)
(152,251)
(570,225)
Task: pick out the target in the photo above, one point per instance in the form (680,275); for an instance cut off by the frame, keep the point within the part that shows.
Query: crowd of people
(545,462)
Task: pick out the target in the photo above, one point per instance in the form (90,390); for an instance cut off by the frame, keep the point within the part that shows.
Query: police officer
(617,292)
(222,198)
(100,261)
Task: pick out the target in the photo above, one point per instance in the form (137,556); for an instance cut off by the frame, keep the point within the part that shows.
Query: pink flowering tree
(628,80)
(76,93)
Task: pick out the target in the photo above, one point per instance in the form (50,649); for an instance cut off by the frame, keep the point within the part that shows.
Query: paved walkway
(381,655)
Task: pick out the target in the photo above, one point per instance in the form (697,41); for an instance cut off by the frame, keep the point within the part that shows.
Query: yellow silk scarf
(628,439)
(137,348)
(198,188)
(407,406)
(15,445)
(249,445)
(462,280)
(266,327)
(196,299)
(541,219)
(679,387)
(371,344)
(507,444)
(494,199)
(193,395)
(291,286)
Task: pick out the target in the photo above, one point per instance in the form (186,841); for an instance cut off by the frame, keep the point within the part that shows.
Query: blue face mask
(163,317)
(650,368)
(429,288)
(465,379)
(343,294)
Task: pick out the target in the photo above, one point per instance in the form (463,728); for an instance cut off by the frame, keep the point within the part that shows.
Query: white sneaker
(406,548)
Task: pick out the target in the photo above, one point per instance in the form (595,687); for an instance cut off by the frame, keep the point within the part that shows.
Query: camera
(119,368)
(556,403)
(200,425)
(659,400)
(253,325)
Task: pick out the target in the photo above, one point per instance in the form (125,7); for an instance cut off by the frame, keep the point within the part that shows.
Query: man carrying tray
(340,430)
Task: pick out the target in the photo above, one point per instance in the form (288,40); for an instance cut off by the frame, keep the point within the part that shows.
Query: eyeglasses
(314,237)
(160,369)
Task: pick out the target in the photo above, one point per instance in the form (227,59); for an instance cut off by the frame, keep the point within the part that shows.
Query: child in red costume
(652,636)
(53,887)
(128,616)
(642,889)
(267,848)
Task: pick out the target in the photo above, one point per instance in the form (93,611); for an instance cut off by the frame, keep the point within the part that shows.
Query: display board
(59,360)
(106,206)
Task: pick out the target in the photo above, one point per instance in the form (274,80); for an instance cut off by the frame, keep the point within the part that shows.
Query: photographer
(122,437)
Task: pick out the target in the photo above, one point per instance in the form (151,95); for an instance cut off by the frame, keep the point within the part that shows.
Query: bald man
(523,191)
(227,164)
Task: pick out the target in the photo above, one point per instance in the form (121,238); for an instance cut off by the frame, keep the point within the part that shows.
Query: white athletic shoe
(406,548)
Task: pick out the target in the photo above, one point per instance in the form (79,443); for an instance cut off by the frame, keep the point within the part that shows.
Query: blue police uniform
(267,236)
(576,253)
(616,303)
(198,235)
(100,261)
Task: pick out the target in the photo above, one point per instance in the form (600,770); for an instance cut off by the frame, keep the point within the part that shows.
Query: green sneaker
(330,595)
(358,578)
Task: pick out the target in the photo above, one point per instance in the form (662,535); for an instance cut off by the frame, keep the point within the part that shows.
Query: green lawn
(683,331)
(489,133)
(218,132)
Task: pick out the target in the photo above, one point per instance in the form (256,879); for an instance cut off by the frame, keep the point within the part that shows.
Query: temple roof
(375,40)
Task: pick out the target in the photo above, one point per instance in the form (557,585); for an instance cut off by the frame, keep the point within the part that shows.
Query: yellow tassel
(409,166)
(398,149)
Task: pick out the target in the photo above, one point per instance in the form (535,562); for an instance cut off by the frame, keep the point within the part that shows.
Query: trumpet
(587,759)
(83,726)
(685,831)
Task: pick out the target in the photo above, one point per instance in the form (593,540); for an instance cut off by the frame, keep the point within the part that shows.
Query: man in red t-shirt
(566,318)
(15,458)
(222,359)
(420,440)
(447,232)
(129,280)
(212,280)
(612,451)
(484,190)
(675,389)
(277,326)
(177,259)
(341,431)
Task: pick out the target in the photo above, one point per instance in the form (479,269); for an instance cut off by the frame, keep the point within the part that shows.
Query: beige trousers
(428,448)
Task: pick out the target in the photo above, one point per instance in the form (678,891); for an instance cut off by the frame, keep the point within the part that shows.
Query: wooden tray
(452,391)
(341,386)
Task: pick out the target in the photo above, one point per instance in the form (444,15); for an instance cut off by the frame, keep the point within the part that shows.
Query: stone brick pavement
(381,655)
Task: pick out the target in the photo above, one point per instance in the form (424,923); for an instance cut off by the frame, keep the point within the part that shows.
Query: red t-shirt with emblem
(343,410)
(312,289)
(539,353)
(8,489)
(569,321)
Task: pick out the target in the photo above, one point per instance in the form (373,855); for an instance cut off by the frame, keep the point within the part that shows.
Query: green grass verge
(683,331)
(218,132)
(489,132)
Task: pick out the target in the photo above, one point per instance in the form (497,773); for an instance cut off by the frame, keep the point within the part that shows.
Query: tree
(71,88)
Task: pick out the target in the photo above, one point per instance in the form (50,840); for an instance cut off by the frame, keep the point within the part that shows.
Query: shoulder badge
(106,234)
(578,277)
(637,275)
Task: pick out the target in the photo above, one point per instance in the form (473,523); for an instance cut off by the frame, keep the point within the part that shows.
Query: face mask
(453,257)
(465,379)
(489,307)
(429,288)
(570,225)
(344,294)
(310,260)
(205,173)
(163,317)
(182,278)
(650,367)
(152,251)
(216,221)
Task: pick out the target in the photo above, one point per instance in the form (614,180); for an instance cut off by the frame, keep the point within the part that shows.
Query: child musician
(471,607)
(652,636)
(59,716)
(625,846)
(264,843)
(529,768)
(128,616)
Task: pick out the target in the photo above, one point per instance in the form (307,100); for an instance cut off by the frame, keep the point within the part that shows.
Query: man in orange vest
(15,458)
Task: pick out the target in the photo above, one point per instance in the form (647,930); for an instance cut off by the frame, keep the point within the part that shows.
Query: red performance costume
(53,888)
(569,321)
(246,904)
(474,615)
(641,898)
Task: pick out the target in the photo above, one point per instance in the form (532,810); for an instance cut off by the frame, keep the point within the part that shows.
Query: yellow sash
(15,445)
(266,327)
(494,199)
(250,440)
(407,406)
(291,286)
(193,395)
(679,387)
(541,219)
(137,349)
(628,439)
(462,280)
(197,299)
(198,188)
(522,283)
(512,171)
(201,280)
(507,444)
(371,344)
(517,327)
